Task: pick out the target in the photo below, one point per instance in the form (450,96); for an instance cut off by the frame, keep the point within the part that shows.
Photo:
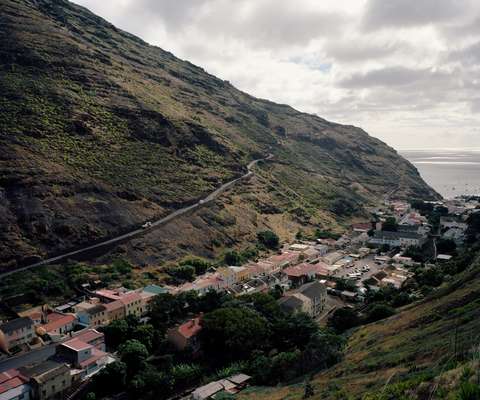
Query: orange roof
(56,321)
(190,328)
(305,269)
(114,305)
(89,335)
(130,298)
(77,344)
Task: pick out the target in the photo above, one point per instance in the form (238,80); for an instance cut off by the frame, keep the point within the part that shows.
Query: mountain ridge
(101,130)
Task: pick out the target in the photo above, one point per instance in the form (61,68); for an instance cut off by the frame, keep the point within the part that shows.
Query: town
(53,350)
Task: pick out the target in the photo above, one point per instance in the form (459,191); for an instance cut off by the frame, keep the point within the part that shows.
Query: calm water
(450,172)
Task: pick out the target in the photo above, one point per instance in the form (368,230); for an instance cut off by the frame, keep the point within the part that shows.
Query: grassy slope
(397,354)
(101,131)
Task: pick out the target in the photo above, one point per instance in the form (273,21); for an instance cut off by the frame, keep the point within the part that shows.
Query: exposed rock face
(100,131)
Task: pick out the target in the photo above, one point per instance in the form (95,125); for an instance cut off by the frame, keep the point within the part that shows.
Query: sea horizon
(450,171)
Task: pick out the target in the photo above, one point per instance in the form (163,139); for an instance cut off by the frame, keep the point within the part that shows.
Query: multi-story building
(16,332)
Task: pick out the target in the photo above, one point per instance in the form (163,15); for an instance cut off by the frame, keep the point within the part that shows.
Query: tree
(116,333)
(268,239)
(165,311)
(111,379)
(145,334)
(232,258)
(446,246)
(133,353)
(231,334)
(343,319)
(183,272)
(390,225)
(309,391)
(294,331)
(198,264)
(379,311)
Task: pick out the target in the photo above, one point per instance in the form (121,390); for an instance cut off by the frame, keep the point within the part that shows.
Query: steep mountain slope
(405,356)
(100,131)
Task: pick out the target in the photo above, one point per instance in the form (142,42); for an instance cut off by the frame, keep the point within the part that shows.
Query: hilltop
(100,132)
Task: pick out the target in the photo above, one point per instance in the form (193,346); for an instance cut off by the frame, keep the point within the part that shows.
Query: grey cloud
(468,56)
(273,23)
(389,76)
(410,13)
(475,105)
(361,49)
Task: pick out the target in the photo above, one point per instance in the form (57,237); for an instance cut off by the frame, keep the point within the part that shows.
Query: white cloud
(404,70)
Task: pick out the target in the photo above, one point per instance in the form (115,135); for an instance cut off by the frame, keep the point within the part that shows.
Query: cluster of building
(59,349)
(71,364)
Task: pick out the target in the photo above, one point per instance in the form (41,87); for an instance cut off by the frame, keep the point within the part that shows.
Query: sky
(406,71)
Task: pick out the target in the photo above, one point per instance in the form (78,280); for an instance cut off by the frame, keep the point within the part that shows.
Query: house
(94,316)
(283,260)
(449,222)
(155,289)
(48,380)
(93,337)
(295,303)
(56,323)
(83,356)
(14,386)
(362,227)
(397,239)
(455,234)
(231,385)
(301,273)
(16,332)
(133,304)
(332,257)
(114,311)
(322,249)
(185,336)
(228,276)
(261,268)
(444,257)
(317,293)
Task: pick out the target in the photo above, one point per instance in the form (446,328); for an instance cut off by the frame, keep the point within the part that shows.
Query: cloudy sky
(407,71)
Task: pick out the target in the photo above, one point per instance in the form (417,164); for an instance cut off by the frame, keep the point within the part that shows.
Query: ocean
(451,172)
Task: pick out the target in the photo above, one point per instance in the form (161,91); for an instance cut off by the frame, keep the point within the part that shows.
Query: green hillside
(100,131)
(427,351)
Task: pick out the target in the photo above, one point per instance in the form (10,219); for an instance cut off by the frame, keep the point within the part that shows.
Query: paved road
(137,232)
(32,357)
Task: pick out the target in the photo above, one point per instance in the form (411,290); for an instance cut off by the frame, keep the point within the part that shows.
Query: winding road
(152,225)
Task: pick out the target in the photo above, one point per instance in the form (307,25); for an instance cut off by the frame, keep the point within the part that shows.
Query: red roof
(56,320)
(114,305)
(285,256)
(190,328)
(89,335)
(130,298)
(77,344)
(306,269)
(10,380)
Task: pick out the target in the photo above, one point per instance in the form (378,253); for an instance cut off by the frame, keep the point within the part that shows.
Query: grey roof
(396,235)
(45,371)
(313,290)
(290,303)
(15,324)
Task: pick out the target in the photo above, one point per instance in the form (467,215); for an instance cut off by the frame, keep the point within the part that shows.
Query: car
(146,225)
(201,201)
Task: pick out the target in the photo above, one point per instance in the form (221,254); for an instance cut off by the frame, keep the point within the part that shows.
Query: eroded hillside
(100,131)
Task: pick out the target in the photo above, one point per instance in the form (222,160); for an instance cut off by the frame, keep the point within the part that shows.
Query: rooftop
(190,328)
(57,320)
(16,324)
(76,344)
(155,289)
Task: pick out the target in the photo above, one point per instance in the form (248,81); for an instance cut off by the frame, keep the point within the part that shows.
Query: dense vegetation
(248,334)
